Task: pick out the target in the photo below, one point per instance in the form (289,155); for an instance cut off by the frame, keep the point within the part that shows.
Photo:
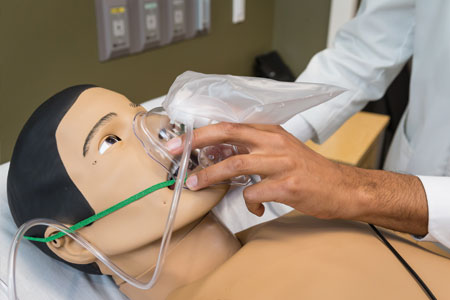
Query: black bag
(270,65)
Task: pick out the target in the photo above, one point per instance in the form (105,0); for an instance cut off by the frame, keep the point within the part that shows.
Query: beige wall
(300,30)
(48,45)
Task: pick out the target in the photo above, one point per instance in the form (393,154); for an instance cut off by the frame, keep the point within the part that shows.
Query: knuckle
(249,195)
(237,163)
(284,141)
(280,140)
(203,178)
(286,162)
(291,185)
(229,129)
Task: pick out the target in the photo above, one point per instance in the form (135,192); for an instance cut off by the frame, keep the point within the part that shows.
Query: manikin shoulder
(298,256)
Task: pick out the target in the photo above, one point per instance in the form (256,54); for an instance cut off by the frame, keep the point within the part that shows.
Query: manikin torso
(301,257)
(295,257)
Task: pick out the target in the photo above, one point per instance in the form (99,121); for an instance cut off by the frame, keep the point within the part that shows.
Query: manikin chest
(300,257)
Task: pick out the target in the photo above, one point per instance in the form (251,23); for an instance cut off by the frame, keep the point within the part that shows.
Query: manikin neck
(194,251)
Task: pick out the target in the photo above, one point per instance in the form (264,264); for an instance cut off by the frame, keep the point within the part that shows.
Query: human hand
(291,173)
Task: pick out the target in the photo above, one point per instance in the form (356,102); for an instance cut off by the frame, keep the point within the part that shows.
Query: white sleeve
(437,190)
(300,128)
(368,53)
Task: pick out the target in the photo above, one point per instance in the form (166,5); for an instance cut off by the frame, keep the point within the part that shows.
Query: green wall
(300,30)
(52,44)
(48,45)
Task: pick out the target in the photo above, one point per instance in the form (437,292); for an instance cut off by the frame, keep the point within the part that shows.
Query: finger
(245,164)
(264,191)
(232,133)
(267,127)
(256,208)
(278,129)
(268,190)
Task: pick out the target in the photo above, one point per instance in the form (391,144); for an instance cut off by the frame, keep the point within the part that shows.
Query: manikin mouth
(193,163)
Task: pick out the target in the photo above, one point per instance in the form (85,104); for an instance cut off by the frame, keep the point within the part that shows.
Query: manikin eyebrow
(94,130)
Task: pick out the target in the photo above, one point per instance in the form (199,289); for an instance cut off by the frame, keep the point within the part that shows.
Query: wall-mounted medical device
(145,23)
(198,17)
(187,18)
(112,28)
(133,26)
(203,16)
(177,18)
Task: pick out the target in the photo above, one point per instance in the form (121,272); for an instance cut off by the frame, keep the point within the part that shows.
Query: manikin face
(108,164)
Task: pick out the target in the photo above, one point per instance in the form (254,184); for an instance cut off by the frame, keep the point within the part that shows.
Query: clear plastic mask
(154,129)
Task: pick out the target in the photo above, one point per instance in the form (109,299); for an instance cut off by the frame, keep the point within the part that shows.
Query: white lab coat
(368,53)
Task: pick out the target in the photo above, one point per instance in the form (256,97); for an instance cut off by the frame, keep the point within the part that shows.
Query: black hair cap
(38,184)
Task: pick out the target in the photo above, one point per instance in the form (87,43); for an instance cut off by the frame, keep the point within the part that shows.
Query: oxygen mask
(154,129)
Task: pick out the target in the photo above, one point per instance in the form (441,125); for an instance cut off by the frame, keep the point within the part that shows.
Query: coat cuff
(300,128)
(437,190)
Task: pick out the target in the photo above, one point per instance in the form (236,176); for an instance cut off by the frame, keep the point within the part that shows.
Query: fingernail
(191,182)
(173,144)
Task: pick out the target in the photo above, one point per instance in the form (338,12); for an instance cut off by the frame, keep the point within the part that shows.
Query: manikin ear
(68,249)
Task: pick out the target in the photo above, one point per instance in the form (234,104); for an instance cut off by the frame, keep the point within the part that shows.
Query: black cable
(405,264)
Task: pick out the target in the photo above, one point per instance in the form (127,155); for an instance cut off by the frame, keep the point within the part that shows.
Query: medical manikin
(78,155)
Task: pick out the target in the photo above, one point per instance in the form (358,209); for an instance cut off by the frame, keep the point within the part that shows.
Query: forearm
(391,200)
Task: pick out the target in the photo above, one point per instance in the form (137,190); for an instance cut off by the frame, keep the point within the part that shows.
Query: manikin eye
(108,142)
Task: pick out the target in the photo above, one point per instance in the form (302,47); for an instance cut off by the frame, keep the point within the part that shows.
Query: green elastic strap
(104,213)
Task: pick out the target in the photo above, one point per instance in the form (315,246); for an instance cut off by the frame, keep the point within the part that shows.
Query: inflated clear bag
(209,98)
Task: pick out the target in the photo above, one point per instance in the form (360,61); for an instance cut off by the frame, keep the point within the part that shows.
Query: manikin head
(78,155)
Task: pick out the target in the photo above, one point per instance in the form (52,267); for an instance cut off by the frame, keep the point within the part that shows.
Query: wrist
(392,200)
(359,193)
(347,193)
(422,207)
